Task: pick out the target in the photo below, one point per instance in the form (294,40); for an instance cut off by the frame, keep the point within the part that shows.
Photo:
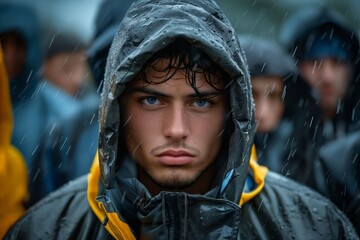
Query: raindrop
(36,175)
(32,154)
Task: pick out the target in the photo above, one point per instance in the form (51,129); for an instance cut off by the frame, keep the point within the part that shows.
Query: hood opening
(147,28)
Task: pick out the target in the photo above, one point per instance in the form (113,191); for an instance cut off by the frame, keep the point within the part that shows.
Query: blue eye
(201,103)
(150,100)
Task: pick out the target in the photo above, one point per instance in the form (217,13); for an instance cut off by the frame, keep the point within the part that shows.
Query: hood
(148,27)
(266,58)
(306,27)
(18,18)
(13,172)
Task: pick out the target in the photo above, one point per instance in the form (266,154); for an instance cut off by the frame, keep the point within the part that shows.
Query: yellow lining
(117,228)
(13,172)
(259,177)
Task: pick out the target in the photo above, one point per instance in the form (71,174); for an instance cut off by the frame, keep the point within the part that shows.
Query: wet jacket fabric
(245,201)
(283,209)
(13,173)
(340,164)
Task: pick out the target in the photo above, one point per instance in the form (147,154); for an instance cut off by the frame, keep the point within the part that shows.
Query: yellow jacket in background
(13,171)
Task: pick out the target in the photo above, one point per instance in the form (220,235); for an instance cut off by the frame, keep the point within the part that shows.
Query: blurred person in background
(327,139)
(38,104)
(70,149)
(326,51)
(13,171)
(65,65)
(20,41)
(271,68)
(63,155)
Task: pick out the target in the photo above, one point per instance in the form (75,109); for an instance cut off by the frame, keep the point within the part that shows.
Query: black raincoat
(245,201)
(339,162)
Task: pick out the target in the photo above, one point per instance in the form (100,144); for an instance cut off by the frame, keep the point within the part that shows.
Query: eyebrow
(208,93)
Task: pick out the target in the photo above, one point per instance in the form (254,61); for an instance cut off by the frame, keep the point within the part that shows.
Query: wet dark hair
(185,57)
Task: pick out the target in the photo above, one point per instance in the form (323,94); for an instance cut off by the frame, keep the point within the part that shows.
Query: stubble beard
(174,180)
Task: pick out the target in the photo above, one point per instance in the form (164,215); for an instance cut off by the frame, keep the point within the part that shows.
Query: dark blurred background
(258,17)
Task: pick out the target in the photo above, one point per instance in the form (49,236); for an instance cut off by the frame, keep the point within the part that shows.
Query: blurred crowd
(305,85)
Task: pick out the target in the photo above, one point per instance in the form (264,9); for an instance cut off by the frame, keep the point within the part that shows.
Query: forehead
(164,69)
(268,82)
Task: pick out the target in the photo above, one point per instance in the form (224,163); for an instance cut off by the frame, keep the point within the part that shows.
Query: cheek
(141,129)
(278,109)
(342,78)
(208,130)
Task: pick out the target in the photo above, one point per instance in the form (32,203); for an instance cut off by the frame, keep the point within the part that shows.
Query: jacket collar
(105,209)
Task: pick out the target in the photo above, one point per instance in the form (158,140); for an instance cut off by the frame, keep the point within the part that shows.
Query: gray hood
(150,26)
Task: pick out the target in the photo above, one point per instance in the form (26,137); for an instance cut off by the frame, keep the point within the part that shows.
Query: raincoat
(13,173)
(245,202)
(339,164)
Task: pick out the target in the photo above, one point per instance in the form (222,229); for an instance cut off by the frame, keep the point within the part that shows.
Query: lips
(175,157)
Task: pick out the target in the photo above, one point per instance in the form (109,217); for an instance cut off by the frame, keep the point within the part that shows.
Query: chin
(175,181)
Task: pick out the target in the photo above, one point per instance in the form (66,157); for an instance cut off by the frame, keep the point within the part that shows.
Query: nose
(327,70)
(262,109)
(176,124)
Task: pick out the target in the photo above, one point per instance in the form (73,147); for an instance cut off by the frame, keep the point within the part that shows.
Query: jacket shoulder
(299,209)
(64,214)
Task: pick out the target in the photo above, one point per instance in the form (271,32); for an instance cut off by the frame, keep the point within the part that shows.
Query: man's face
(269,107)
(173,134)
(67,71)
(329,77)
(14,49)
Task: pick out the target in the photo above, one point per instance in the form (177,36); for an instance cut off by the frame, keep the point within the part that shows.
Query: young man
(271,70)
(176,130)
(65,65)
(326,50)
